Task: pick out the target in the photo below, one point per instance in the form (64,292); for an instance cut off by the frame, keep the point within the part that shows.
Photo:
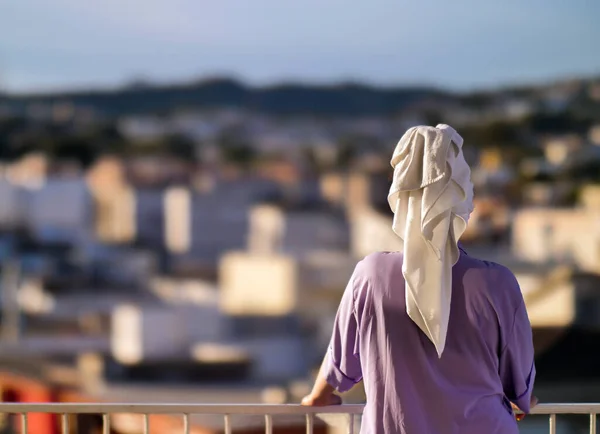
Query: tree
(497,133)
(347,151)
(73,148)
(556,123)
(181,147)
(240,154)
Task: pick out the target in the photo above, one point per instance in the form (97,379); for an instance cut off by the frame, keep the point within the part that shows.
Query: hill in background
(284,99)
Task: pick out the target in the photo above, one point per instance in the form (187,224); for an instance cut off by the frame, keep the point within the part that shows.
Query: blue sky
(464,44)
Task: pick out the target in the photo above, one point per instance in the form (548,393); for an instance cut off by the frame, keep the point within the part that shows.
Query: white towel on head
(432,198)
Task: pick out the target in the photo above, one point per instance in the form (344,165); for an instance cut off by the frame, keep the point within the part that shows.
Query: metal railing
(231,410)
(184,411)
(552,410)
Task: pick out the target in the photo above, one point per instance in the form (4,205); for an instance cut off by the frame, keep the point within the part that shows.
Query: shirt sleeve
(517,367)
(342,365)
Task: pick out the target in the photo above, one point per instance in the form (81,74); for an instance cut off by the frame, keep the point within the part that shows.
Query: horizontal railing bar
(243,409)
(565,408)
(113,408)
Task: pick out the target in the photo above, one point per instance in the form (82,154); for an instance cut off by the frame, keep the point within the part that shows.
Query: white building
(146,333)
(568,236)
(297,232)
(204,226)
(11,211)
(60,211)
(371,231)
(203,330)
(589,196)
(149,217)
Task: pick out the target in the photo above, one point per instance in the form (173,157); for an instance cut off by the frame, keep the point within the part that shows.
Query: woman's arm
(341,368)
(322,393)
(517,365)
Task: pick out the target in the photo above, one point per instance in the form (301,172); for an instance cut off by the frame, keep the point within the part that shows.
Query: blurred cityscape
(191,243)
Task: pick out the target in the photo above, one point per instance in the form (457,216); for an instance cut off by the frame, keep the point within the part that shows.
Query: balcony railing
(228,412)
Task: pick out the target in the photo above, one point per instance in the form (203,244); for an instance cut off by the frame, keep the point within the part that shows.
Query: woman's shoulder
(378,261)
(497,278)
(383,256)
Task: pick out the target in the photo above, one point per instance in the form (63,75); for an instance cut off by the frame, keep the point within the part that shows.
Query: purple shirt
(487,361)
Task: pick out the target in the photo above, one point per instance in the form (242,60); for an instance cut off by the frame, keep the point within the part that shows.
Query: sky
(463,44)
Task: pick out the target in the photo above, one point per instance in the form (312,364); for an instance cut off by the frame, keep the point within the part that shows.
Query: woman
(440,339)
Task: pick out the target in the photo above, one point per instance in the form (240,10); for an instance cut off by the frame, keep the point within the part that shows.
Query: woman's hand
(321,401)
(322,394)
(520,416)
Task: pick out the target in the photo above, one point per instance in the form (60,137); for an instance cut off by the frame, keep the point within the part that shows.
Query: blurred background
(186,186)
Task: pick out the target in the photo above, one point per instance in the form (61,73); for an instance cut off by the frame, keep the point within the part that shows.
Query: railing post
(310,421)
(227,422)
(106,423)
(268,424)
(24,424)
(552,424)
(350,423)
(65,423)
(186,424)
(592,423)
(146,423)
